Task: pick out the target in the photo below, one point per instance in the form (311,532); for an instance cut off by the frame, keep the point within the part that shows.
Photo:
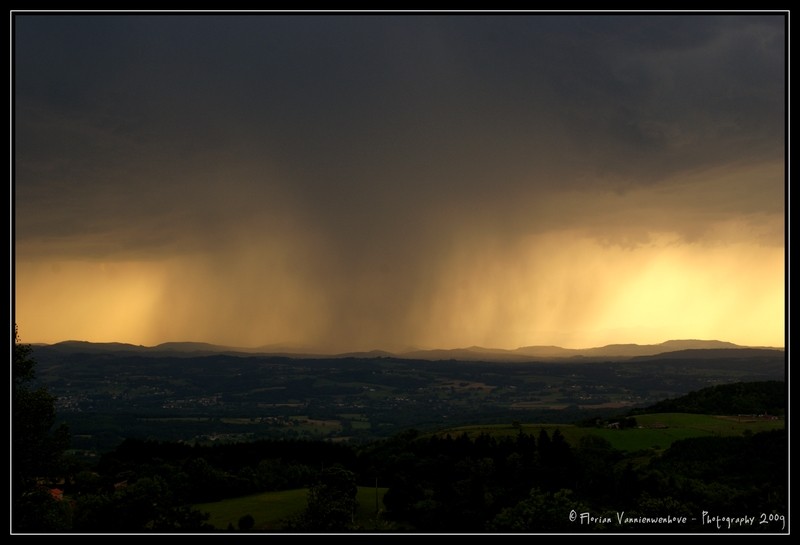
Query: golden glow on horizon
(99,302)
(553,289)
(578,294)
(727,293)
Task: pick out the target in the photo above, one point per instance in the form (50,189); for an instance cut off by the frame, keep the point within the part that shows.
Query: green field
(270,509)
(654,431)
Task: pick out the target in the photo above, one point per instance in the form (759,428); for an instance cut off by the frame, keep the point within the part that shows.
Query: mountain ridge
(680,348)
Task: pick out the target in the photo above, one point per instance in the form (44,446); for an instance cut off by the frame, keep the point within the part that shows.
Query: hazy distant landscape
(194,392)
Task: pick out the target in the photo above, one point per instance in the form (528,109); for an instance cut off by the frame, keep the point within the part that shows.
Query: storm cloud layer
(363,181)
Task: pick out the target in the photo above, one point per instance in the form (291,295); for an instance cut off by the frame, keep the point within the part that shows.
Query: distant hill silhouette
(611,351)
(673,349)
(89,347)
(714,353)
(173,348)
(629,350)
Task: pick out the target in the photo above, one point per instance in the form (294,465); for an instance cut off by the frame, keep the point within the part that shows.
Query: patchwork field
(270,509)
(657,431)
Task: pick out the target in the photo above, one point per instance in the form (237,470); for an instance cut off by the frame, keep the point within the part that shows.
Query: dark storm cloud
(343,103)
(358,154)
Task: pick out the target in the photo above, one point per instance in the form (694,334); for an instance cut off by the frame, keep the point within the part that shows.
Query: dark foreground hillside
(740,398)
(521,483)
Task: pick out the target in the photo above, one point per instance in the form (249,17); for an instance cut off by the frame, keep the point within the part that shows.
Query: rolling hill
(673,349)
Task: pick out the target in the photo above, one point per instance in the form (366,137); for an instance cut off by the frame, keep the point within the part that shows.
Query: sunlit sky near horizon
(351,182)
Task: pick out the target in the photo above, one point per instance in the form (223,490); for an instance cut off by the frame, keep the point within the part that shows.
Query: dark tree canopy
(22,363)
(37,448)
(332,502)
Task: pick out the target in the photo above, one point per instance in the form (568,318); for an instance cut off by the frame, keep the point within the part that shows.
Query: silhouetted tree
(246,523)
(146,505)
(332,503)
(540,512)
(36,449)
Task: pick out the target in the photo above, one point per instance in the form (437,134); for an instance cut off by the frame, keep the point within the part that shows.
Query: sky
(354,182)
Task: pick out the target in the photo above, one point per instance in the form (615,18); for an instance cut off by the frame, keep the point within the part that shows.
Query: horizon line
(293,348)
